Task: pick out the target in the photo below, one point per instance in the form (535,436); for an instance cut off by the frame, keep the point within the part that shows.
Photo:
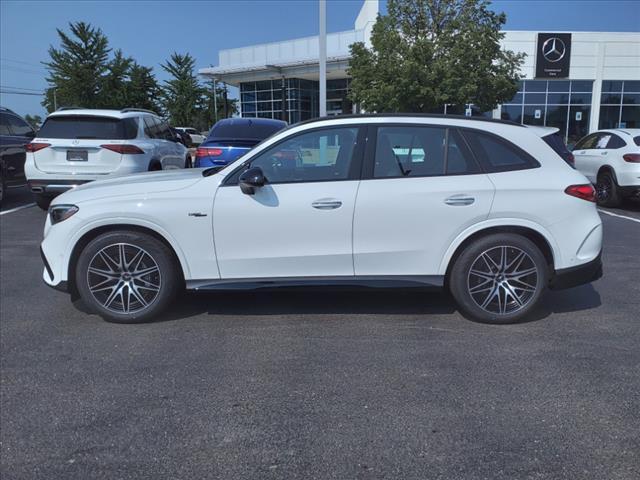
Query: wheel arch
(94,232)
(609,169)
(536,236)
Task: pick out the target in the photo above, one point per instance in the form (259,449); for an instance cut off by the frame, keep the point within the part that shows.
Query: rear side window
(19,127)
(89,127)
(616,142)
(496,154)
(555,141)
(412,151)
(636,140)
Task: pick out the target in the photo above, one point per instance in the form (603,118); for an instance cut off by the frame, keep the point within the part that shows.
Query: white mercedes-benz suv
(77,145)
(481,207)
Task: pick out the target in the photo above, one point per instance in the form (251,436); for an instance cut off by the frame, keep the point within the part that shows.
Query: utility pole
(55,100)
(215,101)
(323,58)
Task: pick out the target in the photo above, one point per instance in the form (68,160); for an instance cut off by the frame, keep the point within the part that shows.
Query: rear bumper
(574,276)
(54,187)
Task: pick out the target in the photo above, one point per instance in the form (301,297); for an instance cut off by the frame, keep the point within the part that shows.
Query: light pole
(323,58)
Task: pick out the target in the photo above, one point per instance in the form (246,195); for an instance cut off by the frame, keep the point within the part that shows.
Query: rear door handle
(459,200)
(326,204)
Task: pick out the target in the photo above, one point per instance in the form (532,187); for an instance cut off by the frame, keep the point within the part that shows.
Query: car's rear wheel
(607,190)
(127,276)
(188,163)
(43,201)
(499,278)
(2,187)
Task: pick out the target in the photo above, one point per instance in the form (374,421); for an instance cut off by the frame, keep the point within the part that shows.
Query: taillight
(631,157)
(34,147)
(208,152)
(585,192)
(123,149)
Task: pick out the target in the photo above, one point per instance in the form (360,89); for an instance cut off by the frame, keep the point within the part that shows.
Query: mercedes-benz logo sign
(553,49)
(75,142)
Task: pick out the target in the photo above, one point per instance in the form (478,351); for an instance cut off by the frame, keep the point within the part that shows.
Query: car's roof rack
(132,109)
(62,109)
(409,115)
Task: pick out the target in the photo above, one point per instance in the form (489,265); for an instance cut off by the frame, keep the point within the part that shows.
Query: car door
(16,133)
(173,153)
(587,156)
(421,189)
(299,224)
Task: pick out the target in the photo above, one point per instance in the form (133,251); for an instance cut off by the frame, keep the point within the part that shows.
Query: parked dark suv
(15,133)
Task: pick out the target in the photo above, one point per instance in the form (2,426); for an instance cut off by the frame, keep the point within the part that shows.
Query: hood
(137,184)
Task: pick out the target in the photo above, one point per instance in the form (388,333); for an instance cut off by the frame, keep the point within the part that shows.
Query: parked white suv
(482,207)
(196,138)
(611,160)
(75,146)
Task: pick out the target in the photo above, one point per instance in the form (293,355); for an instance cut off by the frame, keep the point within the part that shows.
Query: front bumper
(48,275)
(579,275)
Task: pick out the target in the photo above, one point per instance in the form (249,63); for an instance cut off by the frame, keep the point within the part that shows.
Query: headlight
(59,213)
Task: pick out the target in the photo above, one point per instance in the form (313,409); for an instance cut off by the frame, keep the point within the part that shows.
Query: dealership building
(576,81)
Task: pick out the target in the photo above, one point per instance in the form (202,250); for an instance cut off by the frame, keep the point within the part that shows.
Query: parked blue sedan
(233,137)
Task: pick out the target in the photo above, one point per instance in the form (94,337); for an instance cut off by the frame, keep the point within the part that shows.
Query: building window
(565,104)
(620,104)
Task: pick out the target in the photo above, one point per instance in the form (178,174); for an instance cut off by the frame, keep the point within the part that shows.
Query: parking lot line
(619,216)
(21,207)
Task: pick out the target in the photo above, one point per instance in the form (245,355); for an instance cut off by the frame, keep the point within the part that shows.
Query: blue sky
(150,31)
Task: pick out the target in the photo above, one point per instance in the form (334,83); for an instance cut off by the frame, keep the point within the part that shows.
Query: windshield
(88,127)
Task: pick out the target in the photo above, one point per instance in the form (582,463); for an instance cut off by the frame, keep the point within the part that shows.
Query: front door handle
(459,200)
(326,204)
(603,153)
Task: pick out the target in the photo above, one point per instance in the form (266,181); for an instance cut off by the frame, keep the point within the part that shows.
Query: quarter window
(496,154)
(316,156)
(19,127)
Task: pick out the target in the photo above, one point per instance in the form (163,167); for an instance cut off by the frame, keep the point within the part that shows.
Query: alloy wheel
(124,278)
(603,188)
(503,280)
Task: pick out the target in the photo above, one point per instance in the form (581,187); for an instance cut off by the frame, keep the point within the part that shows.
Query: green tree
(115,83)
(182,94)
(142,90)
(427,53)
(77,68)
(206,115)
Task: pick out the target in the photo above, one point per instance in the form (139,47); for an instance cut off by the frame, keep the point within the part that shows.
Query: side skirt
(373,281)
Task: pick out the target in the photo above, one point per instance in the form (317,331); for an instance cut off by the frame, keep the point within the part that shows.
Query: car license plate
(77,156)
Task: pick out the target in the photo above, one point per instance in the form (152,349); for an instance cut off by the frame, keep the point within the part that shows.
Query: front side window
(416,151)
(496,154)
(317,156)
(150,127)
(587,143)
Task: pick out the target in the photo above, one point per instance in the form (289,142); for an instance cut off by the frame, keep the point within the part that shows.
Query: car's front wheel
(499,278)
(127,276)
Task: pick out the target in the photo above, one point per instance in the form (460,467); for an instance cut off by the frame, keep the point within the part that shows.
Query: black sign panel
(553,55)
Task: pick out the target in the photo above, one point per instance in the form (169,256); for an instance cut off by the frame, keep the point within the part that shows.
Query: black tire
(43,201)
(509,300)
(142,303)
(155,167)
(607,190)
(188,163)
(2,188)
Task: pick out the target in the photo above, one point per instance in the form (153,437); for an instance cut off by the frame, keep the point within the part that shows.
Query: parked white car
(610,159)
(196,138)
(484,208)
(75,146)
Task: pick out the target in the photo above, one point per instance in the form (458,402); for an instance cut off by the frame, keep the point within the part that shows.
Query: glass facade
(264,99)
(620,104)
(565,104)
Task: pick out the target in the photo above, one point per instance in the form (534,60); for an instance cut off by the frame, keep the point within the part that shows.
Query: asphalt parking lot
(321,383)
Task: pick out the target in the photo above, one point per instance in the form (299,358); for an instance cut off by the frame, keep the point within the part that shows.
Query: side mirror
(251,179)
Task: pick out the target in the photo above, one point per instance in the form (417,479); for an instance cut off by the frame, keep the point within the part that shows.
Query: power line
(22,88)
(8,92)
(5,59)
(22,70)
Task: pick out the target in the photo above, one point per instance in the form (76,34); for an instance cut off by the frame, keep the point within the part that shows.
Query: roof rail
(61,109)
(5,109)
(124,110)
(421,115)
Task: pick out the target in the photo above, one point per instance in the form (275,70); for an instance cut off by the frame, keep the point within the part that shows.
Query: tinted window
(311,157)
(164,131)
(496,154)
(4,124)
(616,142)
(243,130)
(636,140)
(18,126)
(150,128)
(602,141)
(403,151)
(84,126)
(555,141)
